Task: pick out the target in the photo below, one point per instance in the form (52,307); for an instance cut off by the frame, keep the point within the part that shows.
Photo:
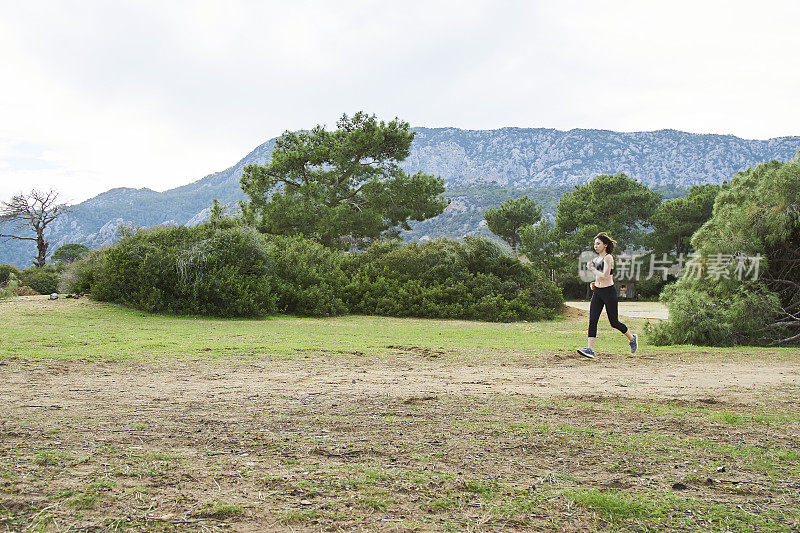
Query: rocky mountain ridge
(514,158)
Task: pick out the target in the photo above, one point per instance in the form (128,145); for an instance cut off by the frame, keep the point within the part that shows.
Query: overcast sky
(103,94)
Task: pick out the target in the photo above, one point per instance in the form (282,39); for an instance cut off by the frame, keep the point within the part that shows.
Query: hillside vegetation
(511,157)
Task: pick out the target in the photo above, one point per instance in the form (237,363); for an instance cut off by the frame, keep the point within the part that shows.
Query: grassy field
(83,329)
(34,327)
(113,419)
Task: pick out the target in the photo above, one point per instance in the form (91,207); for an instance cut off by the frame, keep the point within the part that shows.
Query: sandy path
(651,310)
(73,383)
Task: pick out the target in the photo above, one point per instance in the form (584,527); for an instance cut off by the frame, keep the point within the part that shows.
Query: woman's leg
(595,308)
(612,305)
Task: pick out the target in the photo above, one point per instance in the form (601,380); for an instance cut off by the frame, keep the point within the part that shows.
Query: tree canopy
(70,252)
(507,220)
(615,204)
(342,188)
(733,297)
(675,221)
(538,244)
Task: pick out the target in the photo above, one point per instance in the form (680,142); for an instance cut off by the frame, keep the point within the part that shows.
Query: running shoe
(635,343)
(587,352)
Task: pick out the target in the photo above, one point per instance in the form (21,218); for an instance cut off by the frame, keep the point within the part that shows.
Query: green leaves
(508,220)
(448,279)
(540,246)
(342,188)
(615,204)
(758,213)
(675,221)
(760,209)
(70,252)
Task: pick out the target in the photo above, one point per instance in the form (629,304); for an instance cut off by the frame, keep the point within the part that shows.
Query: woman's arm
(608,266)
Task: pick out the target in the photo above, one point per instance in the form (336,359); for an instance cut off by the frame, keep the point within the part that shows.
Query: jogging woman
(604,294)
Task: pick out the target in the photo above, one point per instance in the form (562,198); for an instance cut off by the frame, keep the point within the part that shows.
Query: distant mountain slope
(534,157)
(509,157)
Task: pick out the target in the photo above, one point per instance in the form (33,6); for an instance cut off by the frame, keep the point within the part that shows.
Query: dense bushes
(8,282)
(5,273)
(448,279)
(758,215)
(186,270)
(80,275)
(43,280)
(238,272)
(573,288)
(715,314)
(307,277)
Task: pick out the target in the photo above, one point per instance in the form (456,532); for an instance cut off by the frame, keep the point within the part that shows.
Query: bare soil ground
(422,440)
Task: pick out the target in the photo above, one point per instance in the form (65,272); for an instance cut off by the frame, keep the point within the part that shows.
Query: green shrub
(5,273)
(721,314)
(651,288)
(237,272)
(43,280)
(307,277)
(80,275)
(201,270)
(7,289)
(447,279)
(731,302)
(573,287)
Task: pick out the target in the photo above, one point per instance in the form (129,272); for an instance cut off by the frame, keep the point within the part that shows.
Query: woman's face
(599,246)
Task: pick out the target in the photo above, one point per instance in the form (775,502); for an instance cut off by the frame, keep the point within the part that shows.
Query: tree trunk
(41,246)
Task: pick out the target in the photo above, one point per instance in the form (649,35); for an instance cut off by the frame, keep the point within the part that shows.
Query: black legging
(604,296)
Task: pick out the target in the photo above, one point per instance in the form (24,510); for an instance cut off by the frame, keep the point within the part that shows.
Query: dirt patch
(417,440)
(570,311)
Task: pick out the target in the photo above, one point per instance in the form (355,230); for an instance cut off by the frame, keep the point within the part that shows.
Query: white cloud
(153,94)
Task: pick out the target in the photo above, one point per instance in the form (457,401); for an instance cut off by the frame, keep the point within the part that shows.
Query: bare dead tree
(34,211)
